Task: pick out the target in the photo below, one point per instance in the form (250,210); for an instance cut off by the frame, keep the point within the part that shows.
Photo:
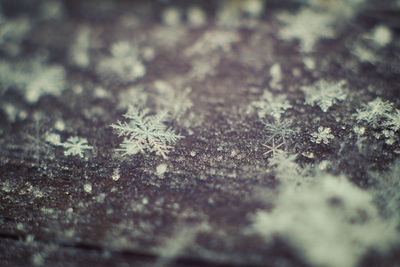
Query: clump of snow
(331,221)
(381,35)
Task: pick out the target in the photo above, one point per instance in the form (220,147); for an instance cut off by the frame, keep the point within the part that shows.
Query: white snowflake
(124,62)
(308,26)
(74,145)
(273,149)
(393,120)
(324,94)
(375,112)
(323,135)
(177,102)
(280,129)
(32,78)
(274,105)
(145,132)
(79,50)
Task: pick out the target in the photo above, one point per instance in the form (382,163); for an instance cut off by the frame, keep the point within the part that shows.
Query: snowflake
(177,102)
(271,105)
(124,62)
(32,78)
(49,81)
(308,26)
(393,120)
(374,112)
(280,129)
(74,145)
(144,133)
(324,94)
(79,50)
(273,149)
(323,135)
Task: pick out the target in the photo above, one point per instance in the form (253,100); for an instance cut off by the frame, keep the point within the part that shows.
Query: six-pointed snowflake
(323,135)
(374,112)
(145,132)
(324,94)
(273,105)
(76,146)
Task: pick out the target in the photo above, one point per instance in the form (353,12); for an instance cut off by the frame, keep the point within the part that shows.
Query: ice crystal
(79,50)
(393,120)
(280,129)
(273,149)
(273,105)
(32,78)
(307,26)
(177,102)
(323,135)
(145,133)
(124,62)
(375,112)
(74,145)
(324,94)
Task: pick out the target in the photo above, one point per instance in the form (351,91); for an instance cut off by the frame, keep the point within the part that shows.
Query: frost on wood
(145,133)
(32,78)
(336,222)
(324,94)
(124,62)
(307,26)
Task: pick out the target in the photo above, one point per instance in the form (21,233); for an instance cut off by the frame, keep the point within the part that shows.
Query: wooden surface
(67,210)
